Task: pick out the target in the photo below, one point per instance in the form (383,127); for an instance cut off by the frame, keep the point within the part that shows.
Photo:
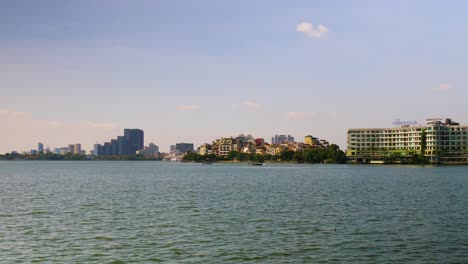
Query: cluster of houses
(248,144)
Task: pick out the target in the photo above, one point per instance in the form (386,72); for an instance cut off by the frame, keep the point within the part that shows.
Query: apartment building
(440,142)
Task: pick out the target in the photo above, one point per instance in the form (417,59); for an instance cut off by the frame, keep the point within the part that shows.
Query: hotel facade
(440,141)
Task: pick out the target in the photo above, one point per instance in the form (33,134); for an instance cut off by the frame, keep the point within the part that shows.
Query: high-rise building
(61,151)
(281,139)
(153,149)
(135,140)
(150,151)
(40,148)
(77,149)
(71,148)
(114,147)
(107,149)
(128,144)
(182,148)
(97,150)
(122,146)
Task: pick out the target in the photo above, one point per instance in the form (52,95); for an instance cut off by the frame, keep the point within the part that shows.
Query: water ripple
(143,212)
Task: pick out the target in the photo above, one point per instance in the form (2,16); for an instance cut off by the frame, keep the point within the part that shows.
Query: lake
(143,212)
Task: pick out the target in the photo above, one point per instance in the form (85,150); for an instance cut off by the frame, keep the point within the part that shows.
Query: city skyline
(189,72)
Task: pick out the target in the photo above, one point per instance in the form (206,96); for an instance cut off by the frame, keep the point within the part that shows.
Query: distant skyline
(193,71)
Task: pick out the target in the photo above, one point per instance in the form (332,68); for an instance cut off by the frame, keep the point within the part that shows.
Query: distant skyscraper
(153,149)
(280,139)
(135,140)
(40,148)
(114,147)
(182,148)
(77,149)
(107,149)
(128,144)
(96,150)
(122,146)
(71,148)
(100,150)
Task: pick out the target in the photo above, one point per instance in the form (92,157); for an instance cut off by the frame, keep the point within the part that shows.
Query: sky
(194,71)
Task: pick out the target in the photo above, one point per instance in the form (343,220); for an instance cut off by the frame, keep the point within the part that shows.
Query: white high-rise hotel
(443,142)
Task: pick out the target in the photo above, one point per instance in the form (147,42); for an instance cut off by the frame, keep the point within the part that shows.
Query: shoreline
(250,162)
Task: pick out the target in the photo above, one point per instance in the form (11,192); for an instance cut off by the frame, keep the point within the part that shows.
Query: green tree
(242,156)
(423,142)
(232,155)
(287,155)
(298,156)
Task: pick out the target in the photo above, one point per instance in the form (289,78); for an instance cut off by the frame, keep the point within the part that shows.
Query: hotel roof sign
(398,122)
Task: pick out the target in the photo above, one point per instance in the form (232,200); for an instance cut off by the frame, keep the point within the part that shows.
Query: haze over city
(193,71)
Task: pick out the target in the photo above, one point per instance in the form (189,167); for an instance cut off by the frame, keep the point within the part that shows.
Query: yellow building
(309,140)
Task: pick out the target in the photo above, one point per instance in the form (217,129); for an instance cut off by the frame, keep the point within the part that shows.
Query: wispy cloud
(251,105)
(301,115)
(22,131)
(101,126)
(443,87)
(6,112)
(312,31)
(188,107)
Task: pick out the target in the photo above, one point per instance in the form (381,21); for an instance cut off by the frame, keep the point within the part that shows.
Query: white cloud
(443,87)
(301,115)
(188,107)
(311,31)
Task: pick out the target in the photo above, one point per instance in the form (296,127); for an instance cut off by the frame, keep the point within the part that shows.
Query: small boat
(207,163)
(257,164)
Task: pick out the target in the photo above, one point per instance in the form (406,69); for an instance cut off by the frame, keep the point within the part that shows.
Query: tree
(298,156)
(260,158)
(423,142)
(191,156)
(232,155)
(242,156)
(286,155)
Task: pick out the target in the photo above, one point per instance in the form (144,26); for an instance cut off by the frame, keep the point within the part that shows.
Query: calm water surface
(140,212)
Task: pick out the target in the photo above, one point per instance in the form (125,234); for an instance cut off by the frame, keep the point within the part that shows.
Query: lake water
(119,212)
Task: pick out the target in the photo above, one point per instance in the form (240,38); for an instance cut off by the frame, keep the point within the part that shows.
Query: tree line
(332,154)
(69,156)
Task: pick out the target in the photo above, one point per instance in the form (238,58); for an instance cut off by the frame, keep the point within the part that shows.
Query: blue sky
(192,71)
